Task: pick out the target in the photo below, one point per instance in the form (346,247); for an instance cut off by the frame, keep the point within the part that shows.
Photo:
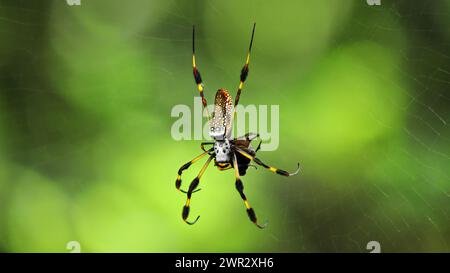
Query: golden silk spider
(227,152)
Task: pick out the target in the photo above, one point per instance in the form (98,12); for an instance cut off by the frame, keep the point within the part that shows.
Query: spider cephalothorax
(222,150)
(226,151)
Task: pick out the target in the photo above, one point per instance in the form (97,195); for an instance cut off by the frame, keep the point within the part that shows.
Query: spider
(227,152)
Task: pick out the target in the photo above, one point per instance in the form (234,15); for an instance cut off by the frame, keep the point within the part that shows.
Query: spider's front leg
(240,188)
(192,187)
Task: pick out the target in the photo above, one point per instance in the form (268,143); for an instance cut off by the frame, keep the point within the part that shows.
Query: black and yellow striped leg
(270,168)
(191,190)
(244,71)
(240,189)
(244,74)
(186,166)
(197,77)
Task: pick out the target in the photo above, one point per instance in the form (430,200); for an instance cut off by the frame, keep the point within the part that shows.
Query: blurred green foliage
(86,152)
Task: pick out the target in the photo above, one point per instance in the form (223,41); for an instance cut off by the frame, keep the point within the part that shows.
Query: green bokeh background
(86,152)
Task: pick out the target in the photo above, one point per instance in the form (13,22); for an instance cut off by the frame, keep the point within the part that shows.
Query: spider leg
(191,190)
(186,166)
(244,74)
(240,189)
(259,146)
(202,145)
(197,77)
(270,168)
(248,136)
(244,71)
